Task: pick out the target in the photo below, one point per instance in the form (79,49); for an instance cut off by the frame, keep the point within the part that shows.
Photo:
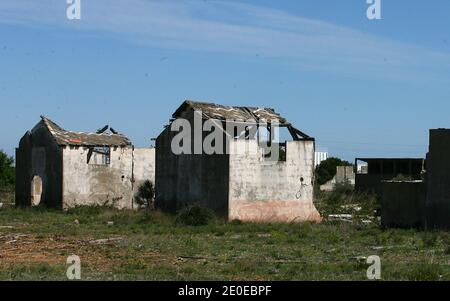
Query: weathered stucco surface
(86,184)
(112,185)
(190,179)
(261,190)
(238,184)
(38,155)
(144,165)
(53,168)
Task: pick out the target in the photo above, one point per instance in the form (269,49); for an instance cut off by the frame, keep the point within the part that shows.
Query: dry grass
(35,243)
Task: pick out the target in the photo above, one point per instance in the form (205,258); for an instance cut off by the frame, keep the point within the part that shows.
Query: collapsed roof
(240,114)
(68,138)
(234,113)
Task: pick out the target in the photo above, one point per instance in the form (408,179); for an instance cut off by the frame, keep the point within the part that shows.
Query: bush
(327,169)
(447,251)
(429,239)
(343,188)
(145,195)
(342,199)
(425,272)
(7,172)
(236,222)
(194,215)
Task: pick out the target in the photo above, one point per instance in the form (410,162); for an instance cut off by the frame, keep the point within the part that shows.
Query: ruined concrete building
(63,169)
(244,181)
(422,203)
(437,204)
(377,170)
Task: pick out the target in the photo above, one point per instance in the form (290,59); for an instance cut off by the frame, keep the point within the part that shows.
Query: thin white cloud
(236,28)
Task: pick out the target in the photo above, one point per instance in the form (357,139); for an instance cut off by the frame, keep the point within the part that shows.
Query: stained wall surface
(38,155)
(263,190)
(111,184)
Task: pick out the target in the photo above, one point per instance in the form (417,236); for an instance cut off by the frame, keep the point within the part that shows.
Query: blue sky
(362,88)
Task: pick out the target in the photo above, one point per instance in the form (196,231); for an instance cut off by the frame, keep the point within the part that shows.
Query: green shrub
(343,188)
(7,172)
(425,272)
(327,169)
(343,199)
(195,215)
(236,222)
(429,239)
(145,195)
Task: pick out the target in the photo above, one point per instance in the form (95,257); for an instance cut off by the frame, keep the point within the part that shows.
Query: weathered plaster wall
(144,165)
(403,204)
(187,179)
(86,184)
(345,174)
(23,171)
(261,190)
(143,168)
(166,178)
(438,179)
(39,155)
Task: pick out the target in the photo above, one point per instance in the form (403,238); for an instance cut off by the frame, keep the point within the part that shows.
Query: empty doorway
(36,191)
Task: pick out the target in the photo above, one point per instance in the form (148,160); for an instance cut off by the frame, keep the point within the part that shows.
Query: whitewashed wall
(260,190)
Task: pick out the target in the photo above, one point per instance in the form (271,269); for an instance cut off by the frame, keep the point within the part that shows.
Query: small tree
(327,169)
(7,171)
(195,215)
(145,195)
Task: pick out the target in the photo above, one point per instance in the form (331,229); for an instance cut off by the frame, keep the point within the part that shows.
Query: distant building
(344,175)
(362,168)
(62,169)
(319,157)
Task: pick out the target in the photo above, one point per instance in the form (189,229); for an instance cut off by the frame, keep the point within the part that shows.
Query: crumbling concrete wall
(144,165)
(261,190)
(438,179)
(190,179)
(368,183)
(23,171)
(53,174)
(345,174)
(86,184)
(39,157)
(403,204)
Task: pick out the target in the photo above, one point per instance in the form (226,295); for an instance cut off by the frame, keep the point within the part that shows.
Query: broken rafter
(103,129)
(297,134)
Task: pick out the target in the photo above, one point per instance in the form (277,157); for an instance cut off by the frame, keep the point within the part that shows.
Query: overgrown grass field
(149,245)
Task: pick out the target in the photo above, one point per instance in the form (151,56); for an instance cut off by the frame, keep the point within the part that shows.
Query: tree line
(7,172)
